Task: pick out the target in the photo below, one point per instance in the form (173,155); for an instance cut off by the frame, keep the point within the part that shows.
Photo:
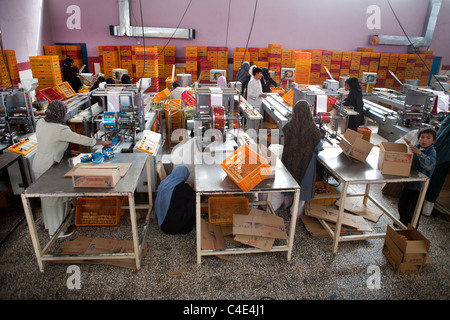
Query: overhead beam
(125,29)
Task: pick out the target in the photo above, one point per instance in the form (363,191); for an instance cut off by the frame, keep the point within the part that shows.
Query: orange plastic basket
(97,211)
(222,209)
(246,168)
(366,132)
(65,90)
(328,190)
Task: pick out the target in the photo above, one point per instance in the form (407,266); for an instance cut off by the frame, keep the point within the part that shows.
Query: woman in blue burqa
(175,203)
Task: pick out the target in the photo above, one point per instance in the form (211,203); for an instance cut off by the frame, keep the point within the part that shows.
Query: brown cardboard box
(395,159)
(406,250)
(354,146)
(269,226)
(91,177)
(263,243)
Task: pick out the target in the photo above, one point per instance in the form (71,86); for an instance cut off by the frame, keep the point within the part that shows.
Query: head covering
(353,83)
(301,137)
(110,81)
(222,81)
(242,74)
(266,74)
(125,79)
(250,71)
(165,190)
(56,112)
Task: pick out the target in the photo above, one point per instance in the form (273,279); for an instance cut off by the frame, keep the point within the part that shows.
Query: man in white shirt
(254,89)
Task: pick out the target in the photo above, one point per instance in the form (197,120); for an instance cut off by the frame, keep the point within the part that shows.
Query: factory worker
(442,148)
(267,80)
(254,89)
(70,74)
(355,100)
(243,76)
(53,138)
(176,91)
(175,203)
(302,143)
(96,85)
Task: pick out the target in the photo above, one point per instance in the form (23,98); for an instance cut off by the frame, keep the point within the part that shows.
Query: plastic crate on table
(188,98)
(48,94)
(97,211)
(162,95)
(246,168)
(65,90)
(221,209)
(325,188)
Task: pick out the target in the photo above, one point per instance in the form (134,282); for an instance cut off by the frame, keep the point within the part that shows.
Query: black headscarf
(355,100)
(56,112)
(125,79)
(301,137)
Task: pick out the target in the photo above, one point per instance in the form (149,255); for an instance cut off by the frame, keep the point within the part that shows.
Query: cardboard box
(406,250)
(91,177)
(395,159)
(269,226)
(354,146)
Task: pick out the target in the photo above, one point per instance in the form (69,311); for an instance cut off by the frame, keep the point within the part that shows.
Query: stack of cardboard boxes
(406,250)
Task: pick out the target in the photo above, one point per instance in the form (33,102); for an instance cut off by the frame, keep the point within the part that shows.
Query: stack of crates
(316,66)
(126,60)
(383,69)
(222,58)
(345,63)
(239,58)
(274,58)
(160,51)
(169,61)
(326,62)
(212,56)
(150,69)
(47,70)
(286,58)
(254,55)
(11,64)
(364,64)
(302,67)
(109,59)
(191,62)
(204,68)
(56,50)
(355,64)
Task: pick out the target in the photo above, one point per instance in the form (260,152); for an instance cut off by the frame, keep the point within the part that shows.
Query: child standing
(424,161)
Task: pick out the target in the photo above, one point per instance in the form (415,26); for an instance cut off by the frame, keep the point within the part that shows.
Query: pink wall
(299,24)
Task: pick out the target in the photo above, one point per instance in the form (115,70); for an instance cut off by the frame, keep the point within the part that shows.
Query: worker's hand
(104,143)
(263,95)
(412,147)
(75,153)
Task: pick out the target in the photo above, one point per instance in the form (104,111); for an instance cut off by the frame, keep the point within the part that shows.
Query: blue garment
(425,163)
(165,190)
(308,185)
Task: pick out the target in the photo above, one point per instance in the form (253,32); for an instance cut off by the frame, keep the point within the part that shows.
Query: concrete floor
(170,272)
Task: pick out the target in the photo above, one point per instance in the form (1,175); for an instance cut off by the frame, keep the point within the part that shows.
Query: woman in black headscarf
(243,76)
(302,142)
(70,74)
(355,100)
(125,79)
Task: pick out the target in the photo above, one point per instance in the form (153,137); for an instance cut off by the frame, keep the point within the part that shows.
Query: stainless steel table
(53,184)
(349,172)
(211,179)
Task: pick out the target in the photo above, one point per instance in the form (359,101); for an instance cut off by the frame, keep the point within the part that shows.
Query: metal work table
(348,172)
(53,184)
(211,179)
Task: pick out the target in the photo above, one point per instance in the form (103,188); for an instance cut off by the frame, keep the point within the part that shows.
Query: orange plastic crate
(328,190)
(96,211)
(246,168)
(221,209)
(65,90)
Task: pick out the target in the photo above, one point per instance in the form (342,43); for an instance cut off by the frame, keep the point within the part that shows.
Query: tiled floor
(314,272)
